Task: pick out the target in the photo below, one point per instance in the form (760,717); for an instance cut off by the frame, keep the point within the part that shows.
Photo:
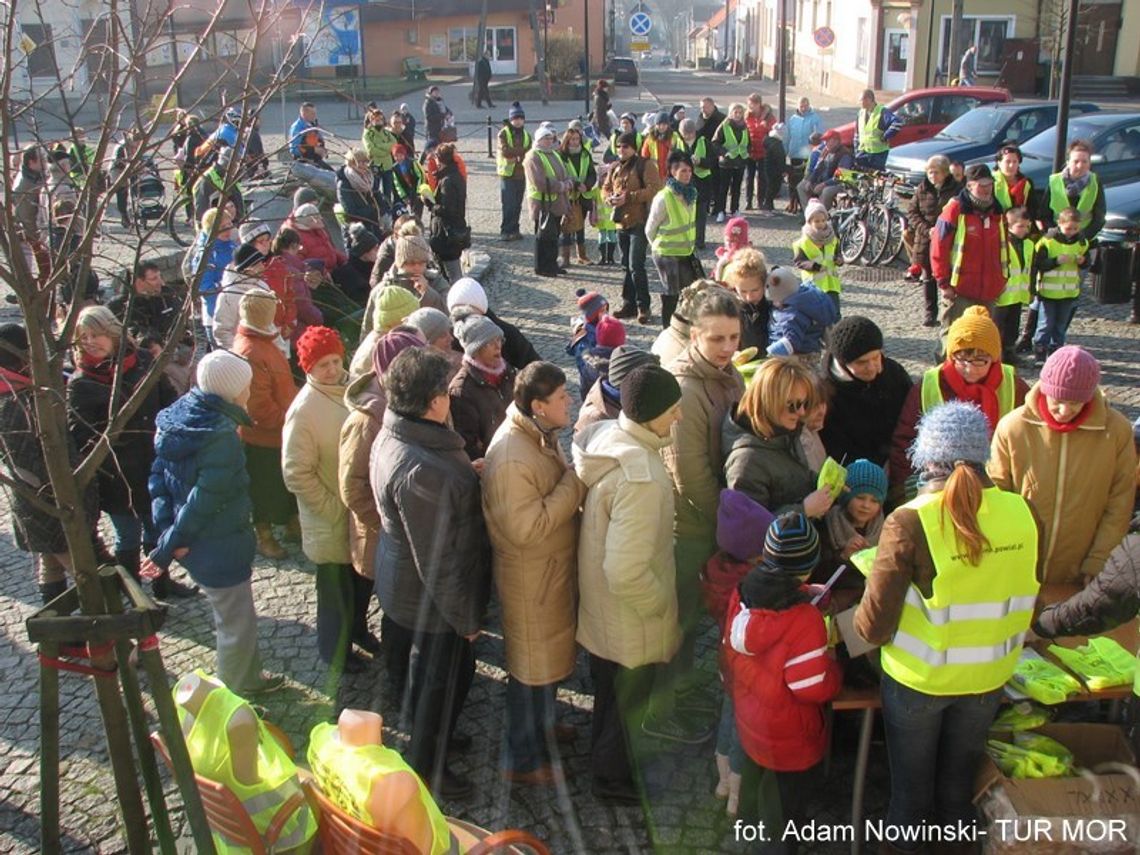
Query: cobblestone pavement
(680,814)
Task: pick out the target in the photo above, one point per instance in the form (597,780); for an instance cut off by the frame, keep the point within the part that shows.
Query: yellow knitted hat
(975,330)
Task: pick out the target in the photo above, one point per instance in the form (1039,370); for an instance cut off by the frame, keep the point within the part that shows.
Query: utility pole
(954,52)
(1066,84)
(782,47)
(726,13)
(586,27)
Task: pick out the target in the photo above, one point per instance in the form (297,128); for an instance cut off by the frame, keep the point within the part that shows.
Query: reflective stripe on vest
(1063,281)
(825,279)
(697,152)
(506,168)
(208,744)
(932,389)
(346,775)
(966,637)
(1059,197)
(551,175)
(960,243)
(1017,280)
(677,236)
(735,148)
(871,138)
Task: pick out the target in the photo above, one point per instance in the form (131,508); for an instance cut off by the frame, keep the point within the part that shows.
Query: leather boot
(930,301)
(1025,343)
(267,545)
(129,561)
(582,257)
(50,590)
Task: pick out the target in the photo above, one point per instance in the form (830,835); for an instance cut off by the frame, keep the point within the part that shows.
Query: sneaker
(720,217)
(676,729)
(265,684)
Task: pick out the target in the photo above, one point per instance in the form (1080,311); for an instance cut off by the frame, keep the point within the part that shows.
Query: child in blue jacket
(800,315)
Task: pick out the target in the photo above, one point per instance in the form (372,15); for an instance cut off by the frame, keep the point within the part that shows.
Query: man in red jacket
(968,251)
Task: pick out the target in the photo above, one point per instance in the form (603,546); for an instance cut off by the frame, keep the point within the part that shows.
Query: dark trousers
(874,162)
(334,612)
(511,194)
(396,644)
(704,199)
(621,696)
(441,669)
(546,231)
(729,186)
(272,501)
(775,798)
(530,725)
(635,286)
(361,595)
(1008,321)
(668,306)
(756,181)
(483,93)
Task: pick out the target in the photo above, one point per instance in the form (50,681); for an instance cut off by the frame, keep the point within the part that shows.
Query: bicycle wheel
(183,235)
(878,224)
(852,240)
(894,245)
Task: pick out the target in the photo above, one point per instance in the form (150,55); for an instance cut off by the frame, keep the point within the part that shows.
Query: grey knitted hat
(951,432)
(624,359)
(475,331)
(432,323)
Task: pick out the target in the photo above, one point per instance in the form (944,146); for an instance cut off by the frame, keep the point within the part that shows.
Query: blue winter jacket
(200,490)
(210,285)
(800,128)
(798,325)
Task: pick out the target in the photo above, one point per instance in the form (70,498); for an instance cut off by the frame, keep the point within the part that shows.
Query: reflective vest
(697,152)
(932,389)
(735,148)
(218,179)
(541,195)
(1063,281)
(403,190)
(605,215)
(825,279)
(578,174)
(677,236)
(506,168)
(965,638)
(346,774)
(209,748)
(960,243)
(1059,198)
(871,138)
(1017,279)
(614,142)
(1001,191)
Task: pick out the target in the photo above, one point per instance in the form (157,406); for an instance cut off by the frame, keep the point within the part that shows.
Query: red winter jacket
(719,577)
(316,244)
(757,133)
(778,669)
(982,276)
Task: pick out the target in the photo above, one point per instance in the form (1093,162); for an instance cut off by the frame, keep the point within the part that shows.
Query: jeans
(730,180)
(133,533)
(442,668)
(635,286)
(511,194)
(235,621)
(934,745)
(704,198)
(690,554)
(755,180)
(620,698)
(875,162)
(727,738)
(775,798)
(1053,323)
(530,725)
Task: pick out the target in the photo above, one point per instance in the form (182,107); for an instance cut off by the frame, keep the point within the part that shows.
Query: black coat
(861,417)
(448,213)
(149,316)
(483,70)
(371,209)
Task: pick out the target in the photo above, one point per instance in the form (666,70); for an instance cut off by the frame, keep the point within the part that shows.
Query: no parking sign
(824,38)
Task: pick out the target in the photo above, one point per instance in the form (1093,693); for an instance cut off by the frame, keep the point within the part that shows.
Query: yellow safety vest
(826,279)
(506,168)
(578,174)
(346,773)
(1017,280)
(541,195)
(960,243)
(1059,199)
(932,389)
(871,138)
(677,236)
(1001,191)
(219,181)
(209,750)
(614,140)
(698,152)
(735,148)
(966,637)
(418,172)
(605,215)
(1064,281)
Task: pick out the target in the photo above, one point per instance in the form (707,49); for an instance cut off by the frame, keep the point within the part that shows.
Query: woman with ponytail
(949,598)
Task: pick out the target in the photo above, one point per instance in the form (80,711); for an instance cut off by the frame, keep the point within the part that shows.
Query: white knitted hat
(224,374)
(466,292)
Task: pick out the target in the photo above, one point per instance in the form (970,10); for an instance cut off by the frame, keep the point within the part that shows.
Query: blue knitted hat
(951,432)
(791,545)
(863,476)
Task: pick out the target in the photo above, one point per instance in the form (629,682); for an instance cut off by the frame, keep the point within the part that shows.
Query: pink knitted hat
(1071,374)
(736,233)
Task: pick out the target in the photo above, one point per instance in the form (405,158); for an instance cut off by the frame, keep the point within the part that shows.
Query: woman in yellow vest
(579,165)
(973,372)
(731,139)
(671,229)
(698,148)
(547,186)
(950,598)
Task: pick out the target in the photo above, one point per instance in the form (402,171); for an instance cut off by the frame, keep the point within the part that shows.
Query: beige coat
(1081,483)
(365,398)
(627,606)
(536,177)
(309,463)
(531,497)
(695,459)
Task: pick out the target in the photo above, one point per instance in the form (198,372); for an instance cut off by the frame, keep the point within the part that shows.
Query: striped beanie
(791,545)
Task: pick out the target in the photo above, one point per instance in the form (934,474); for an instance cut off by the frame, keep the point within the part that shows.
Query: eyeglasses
(799,406)
(972,361)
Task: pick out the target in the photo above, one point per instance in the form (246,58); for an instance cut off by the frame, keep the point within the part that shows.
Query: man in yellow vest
(547,185)
(671,229)
(514,143)
(210,190)
(697,147)
(874,126)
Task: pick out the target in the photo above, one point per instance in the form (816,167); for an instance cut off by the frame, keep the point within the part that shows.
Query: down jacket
(627,611)
(1111,599)
(923,211)
(772,472)
(861,417)
(1082,484)
(798,324)
(200,490)
(531,497)
(310,448)
(367,402)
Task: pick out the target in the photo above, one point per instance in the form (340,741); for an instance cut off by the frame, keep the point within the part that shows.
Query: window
(950,107)
(463,44)
(916,112)
(1028,124)
(989,34)
(862,43)
(41,60)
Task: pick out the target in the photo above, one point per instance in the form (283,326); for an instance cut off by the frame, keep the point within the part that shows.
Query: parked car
(622,69)
(1122,213)
(979,133)
(924,112)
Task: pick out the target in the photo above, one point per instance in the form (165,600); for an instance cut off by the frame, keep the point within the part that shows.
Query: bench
(414,69)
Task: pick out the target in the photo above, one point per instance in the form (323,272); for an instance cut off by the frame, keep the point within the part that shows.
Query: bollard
(490,152)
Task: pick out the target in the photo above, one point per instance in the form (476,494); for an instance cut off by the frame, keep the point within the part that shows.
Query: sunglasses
(973,361)
(797,406)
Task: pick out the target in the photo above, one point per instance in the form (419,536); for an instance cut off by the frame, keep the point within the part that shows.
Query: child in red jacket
(780,673)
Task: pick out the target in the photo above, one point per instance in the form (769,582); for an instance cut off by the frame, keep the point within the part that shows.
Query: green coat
(378,143)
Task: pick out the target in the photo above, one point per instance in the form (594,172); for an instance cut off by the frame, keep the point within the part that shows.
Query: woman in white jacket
(243,274)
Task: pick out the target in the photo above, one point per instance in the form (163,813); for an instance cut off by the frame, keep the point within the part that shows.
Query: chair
(225,812)
(342,834)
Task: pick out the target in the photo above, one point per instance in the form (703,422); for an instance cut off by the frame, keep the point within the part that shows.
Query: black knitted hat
(625,359)
(246,256)
(647,392)
(13,347)
(854,336)
(791,545)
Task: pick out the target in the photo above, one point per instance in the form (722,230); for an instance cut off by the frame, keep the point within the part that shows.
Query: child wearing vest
(780,672)
(604,221)
(817,252)
(1061,256)
(800,316)
(671,229)
(852,524)
(1018,282)
(741,524)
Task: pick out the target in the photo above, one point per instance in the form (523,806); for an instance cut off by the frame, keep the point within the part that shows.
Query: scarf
(361,182)
(574,149)
(1054,425)
(840,528)
(1074,186)
(818,236)
(686,191)
(980,205)
(103,370)
(492,374)
(982,395)
(12,381)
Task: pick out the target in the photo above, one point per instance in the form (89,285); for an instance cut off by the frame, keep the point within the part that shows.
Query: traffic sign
(638,44)
(640,23)
(824,37)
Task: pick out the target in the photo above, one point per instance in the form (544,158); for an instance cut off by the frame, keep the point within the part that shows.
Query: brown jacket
(531,497)
(271,390)
(537,179)
(903,560)
(1082,484)
(478,408)
(366,401)
(636,177)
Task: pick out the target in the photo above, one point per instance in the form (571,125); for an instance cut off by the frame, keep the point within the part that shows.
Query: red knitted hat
(610,332)
(315,344)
